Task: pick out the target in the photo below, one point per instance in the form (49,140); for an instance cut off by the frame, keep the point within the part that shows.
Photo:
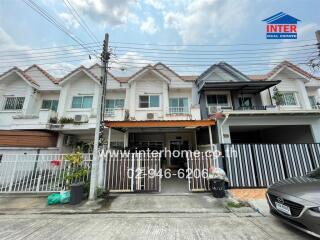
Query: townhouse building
(64,110)
(250,109)
(156,108)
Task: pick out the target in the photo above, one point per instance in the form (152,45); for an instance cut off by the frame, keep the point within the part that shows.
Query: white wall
(13,86)
(79,85)
(290,82)
(312,121)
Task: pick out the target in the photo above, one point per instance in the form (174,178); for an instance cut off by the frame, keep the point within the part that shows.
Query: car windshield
(314,174)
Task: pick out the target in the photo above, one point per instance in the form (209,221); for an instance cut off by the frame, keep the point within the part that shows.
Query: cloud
(157,4)
(201,20)
(69,20)
(128,63)
(307,29)
(149,26)
(112,12)
(24,56)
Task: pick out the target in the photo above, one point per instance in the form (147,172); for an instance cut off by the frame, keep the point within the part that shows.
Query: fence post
(13,174)
(101,168)
(133,172)
(38,183)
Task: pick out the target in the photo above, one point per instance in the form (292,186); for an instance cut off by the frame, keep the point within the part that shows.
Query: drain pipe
(221,126)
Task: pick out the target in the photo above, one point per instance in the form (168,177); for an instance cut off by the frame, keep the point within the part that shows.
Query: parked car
(297,202)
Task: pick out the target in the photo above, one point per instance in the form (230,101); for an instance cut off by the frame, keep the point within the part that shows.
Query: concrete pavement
(162,226)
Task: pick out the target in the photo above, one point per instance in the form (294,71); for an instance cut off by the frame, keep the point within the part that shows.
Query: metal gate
(259,165)
(132,172)
(197,171)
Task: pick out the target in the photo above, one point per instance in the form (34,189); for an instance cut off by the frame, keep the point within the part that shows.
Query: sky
(187,35)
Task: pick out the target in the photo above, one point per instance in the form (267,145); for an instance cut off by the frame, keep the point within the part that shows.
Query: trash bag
(64,197)
(54,198)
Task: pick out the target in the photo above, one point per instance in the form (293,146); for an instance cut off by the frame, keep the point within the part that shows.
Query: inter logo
(281,26)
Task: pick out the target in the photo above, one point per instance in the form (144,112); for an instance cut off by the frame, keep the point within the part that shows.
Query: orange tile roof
(44,72)
(27,77)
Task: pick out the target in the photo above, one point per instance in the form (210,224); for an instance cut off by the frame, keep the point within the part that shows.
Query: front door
(177,146)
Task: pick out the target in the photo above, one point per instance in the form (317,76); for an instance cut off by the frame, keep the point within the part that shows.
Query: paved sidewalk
(124,203)
(145,226)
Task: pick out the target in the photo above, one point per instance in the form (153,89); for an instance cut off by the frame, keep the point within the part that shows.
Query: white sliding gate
(132,172)
(27,173)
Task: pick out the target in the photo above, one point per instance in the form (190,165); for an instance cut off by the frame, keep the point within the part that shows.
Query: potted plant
(277,97)
(75,176)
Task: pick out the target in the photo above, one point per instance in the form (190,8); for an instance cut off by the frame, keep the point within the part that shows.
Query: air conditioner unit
(68,140)
(214,109)
(81,118)
(150,116)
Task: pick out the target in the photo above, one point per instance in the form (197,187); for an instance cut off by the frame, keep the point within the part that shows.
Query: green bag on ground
(54,198)
(64,197)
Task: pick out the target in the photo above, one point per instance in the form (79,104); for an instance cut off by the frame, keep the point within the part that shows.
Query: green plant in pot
(76,177)
(277,97)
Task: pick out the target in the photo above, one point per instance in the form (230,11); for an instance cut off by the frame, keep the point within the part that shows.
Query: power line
(197,65)
(51,19)
(45,57)
(80,20)
(208,45)
(156,58)
(157,55)
(53,47)
(215,51)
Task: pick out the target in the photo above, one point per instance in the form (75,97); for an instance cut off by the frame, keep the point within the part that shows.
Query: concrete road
(145,226)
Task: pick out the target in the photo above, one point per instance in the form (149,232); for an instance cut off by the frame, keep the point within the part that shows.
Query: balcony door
(245,103)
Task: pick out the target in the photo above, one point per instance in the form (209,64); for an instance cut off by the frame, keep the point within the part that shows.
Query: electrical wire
(51,19)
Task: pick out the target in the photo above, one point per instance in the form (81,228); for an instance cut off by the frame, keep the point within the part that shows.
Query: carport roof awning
(252,87)
(160,123)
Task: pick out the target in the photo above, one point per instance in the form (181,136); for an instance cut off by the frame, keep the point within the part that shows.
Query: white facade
(153,93)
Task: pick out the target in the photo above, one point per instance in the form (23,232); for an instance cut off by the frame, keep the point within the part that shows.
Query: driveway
(145,226)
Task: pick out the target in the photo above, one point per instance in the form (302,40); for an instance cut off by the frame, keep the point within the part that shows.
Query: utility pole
(318,39)
(98,136)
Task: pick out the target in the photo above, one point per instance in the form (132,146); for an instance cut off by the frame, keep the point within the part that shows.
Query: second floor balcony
(116,114)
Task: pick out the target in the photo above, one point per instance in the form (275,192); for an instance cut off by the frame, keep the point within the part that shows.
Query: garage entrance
(271,134)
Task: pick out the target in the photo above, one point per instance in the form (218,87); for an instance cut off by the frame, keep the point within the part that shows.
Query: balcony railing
(214,109)
(316,107)
(251,108)
(109,112)
(179,110)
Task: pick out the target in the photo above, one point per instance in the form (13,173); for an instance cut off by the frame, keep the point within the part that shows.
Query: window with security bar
(13,103)
(289,99)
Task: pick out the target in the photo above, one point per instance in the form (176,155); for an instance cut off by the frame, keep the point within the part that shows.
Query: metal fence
(259,165)
(23,173)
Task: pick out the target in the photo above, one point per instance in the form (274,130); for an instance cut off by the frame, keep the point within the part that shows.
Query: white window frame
(297,103)
(82,96)
(51,102)
(13,109)
(229,105)
(148,95)
(186,107)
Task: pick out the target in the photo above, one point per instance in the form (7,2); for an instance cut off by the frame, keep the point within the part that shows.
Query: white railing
(178,110)
(316,107)
(22,173)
